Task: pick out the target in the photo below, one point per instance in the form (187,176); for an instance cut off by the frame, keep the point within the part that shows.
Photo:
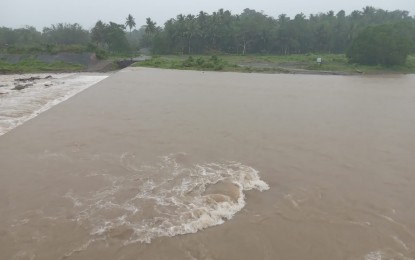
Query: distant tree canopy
(65,34)
(387,44)
(111,36)
(19,37)
(256,32)
(250,32)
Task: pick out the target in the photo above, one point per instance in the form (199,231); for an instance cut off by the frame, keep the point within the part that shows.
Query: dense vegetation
(370,36)
(255,32)
(387,44)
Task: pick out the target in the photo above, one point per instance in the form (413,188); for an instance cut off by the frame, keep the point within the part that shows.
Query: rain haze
(235,133)
(41,13)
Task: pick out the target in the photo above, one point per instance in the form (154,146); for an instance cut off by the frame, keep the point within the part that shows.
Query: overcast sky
(41,13)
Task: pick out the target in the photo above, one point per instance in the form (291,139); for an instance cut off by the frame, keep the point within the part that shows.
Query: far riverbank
(332,64)
(62,62)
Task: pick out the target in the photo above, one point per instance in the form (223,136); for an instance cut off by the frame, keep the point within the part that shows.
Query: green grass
(296,63)
(212,63)
(32,65)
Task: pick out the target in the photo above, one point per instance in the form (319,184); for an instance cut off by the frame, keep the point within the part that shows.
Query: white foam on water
(375,255)
(81,248)
(386,254)
(165,199)
(19,106)
(400,242)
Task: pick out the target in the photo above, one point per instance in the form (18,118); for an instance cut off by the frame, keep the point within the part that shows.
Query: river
(164,164)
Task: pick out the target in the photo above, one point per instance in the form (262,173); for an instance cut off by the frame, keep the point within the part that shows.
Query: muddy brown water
(161,164)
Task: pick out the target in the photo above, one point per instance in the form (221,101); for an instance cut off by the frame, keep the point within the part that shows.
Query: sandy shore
(161,156)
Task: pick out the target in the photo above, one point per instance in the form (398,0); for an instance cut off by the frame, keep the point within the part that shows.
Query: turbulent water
(39,94)
(170,199)
(161,164)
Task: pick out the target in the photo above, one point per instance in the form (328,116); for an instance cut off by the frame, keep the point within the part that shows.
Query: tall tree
(151,26)
(150,31)
(110,36)
(98,34)
(191,31)
(130,22)
(115,36)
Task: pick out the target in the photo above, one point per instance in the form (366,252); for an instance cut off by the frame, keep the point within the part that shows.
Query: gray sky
(41,13)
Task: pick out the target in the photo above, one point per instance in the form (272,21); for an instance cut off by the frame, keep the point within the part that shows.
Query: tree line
(255,32)
(250,32)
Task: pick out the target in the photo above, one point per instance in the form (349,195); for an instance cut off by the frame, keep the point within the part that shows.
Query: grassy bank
(212,63)
(32,65)
(332,64)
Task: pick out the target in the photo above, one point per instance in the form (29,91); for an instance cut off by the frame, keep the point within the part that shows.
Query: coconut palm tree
(151,26)
(130,22)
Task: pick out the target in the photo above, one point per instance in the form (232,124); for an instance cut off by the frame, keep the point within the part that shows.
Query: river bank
(332,64)
(63,62)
